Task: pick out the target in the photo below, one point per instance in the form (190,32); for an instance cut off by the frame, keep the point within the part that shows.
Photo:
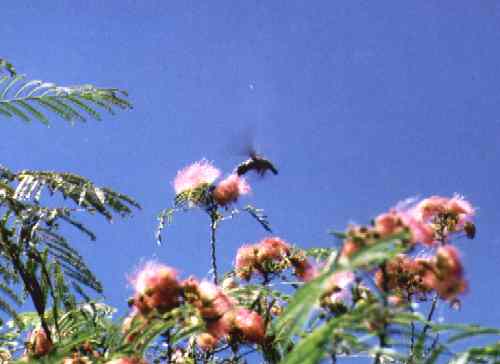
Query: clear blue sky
(360,103)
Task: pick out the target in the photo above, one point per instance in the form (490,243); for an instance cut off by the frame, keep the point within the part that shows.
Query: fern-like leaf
(165,218)
(5,65)
(34,99)
(258,214)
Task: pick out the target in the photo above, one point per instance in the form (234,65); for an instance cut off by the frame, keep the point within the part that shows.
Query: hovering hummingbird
(257,163)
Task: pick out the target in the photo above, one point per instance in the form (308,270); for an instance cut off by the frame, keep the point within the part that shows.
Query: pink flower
(206,341)
(257,257)
(448,259)
(462,208)
(156,287)
(449,279)
(195,175)
(395,221)
(420,231)
(430,207)
(388,223)
(303,269)
(250,325)
(230,189)
(272,248)
(246,258)
(213,302)
(339,283)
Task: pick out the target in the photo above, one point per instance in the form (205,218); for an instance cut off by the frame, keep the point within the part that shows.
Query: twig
(213,228)
(427,325)
(382,336)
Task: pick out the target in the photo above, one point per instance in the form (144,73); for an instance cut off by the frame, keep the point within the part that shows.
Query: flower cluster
(222,316)
(303,269)
(200,176)
(270,255)
(429,222)
(437,219)
(230,189)
(158,288)
(337,292)
(446,215)
(405,277)
(446,277)
(195,175)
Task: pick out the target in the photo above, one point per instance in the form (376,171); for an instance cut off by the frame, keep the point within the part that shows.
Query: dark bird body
(257,163)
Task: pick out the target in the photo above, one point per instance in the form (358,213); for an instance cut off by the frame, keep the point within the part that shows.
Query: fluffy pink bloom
(272,248)
(448,277)
(246,258)
(435,205)
(250,325)
(206,341)
(156,287)
(221,327)
(420,231)
(448,258)
(195,175)
(463,208)
(214,303)
(388,223)
(394,221)
(430,207)
(304,270)
(339,283)
(257,257)
(230,189)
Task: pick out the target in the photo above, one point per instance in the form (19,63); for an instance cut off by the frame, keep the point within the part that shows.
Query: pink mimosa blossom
(250,325)
(448,259)
(304,270)
(246,257)
(212,302)
(430,207)
(230,189)
(206,341)
(339,284)
(195,175)
(272,248)
(420,231)
(156,287)
(395,221)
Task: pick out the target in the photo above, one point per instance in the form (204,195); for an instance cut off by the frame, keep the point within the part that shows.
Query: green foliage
(84,324)
(201,197)
(304,301)
(34,100)
(6,66)
(33,249)
(258,214)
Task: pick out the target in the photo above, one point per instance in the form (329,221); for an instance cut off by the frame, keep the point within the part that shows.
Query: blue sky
(360,104)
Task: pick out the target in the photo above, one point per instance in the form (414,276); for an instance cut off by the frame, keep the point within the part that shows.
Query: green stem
(213,228)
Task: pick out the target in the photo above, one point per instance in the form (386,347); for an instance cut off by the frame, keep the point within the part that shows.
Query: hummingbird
(257,163)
